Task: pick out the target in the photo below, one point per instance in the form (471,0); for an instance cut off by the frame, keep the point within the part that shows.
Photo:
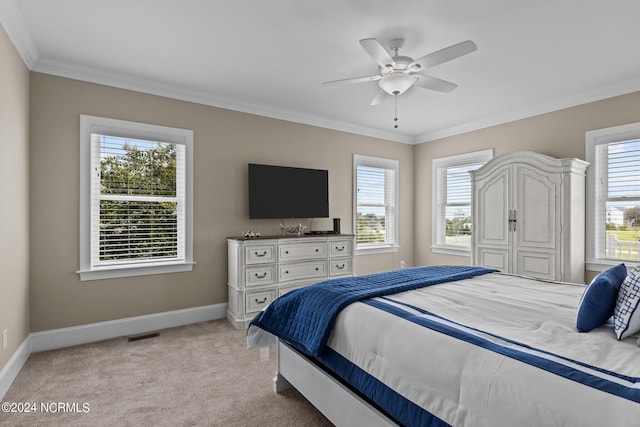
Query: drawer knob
(317,250)
(340,267)
(264,253)
(286,252)
(261,302)
(340,249)
(286,272)
(317,269)
(261,276)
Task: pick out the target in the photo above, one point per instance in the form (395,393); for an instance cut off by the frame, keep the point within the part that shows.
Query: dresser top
(291,236)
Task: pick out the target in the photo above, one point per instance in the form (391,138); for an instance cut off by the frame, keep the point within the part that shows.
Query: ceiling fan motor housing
(397,82)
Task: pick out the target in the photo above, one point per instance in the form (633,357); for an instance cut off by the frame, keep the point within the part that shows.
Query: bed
(461,346)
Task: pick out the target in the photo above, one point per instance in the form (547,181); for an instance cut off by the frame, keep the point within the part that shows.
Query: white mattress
(465,384)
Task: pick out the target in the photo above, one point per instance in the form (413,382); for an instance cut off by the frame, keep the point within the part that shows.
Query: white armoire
(528,216)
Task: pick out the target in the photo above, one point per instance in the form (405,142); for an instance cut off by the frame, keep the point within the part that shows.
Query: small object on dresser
(251,234)
(295,229)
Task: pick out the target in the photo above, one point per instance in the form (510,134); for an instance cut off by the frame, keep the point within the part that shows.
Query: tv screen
(287,192)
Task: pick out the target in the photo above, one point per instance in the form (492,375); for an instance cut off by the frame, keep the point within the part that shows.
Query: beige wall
(560,134)
(14,198)
(224,142)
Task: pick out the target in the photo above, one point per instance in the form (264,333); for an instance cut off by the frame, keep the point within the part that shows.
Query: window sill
(376,250)
(450,251)
(604,264)
(129,271)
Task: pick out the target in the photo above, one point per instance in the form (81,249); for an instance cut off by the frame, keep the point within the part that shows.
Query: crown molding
(153,87)
(85,73)
(18,32)
(585,97)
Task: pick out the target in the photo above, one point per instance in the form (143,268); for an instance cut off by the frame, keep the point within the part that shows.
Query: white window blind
(452,200)
(136,203)
(375,202)
(617,200)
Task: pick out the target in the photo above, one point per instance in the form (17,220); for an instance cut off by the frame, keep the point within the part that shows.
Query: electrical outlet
(403,264)
(5,340)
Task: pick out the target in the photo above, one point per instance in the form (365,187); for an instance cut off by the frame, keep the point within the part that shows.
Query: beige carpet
(196,375)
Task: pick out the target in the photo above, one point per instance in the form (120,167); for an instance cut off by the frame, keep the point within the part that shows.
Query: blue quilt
(304,317)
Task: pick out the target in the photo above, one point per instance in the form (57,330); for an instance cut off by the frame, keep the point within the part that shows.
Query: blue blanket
(304,317)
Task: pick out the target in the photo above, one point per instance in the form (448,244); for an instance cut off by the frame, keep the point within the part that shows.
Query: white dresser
(262,269)
(528,216)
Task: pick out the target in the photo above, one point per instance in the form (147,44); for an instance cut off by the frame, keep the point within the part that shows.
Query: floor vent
(143,337)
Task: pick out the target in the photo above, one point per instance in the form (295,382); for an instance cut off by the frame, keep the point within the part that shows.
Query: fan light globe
(397,82)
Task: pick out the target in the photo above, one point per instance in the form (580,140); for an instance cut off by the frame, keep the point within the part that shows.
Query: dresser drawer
(340,266)
(260,275)
(256,301)
(256,254)
(340,248)
(290,286)
(302,270)
(298,251)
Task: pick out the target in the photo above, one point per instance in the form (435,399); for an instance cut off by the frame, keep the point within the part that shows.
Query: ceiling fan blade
(443,55)
(377,52)
(380,97)
(433,83)
(353,80)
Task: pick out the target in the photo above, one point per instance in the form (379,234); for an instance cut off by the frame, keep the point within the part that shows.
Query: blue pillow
(599,299)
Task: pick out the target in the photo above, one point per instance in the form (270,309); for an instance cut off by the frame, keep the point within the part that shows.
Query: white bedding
(466,385)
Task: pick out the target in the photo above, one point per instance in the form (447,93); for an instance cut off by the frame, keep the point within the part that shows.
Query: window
(451,201)
(376,201)
(136,198)
(613,196)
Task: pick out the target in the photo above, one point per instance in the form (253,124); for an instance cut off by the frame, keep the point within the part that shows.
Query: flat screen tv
(287,192)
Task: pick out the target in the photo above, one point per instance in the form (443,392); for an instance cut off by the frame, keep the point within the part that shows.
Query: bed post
(280,384)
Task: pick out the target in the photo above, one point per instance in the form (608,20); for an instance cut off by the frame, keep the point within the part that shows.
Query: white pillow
(626,315)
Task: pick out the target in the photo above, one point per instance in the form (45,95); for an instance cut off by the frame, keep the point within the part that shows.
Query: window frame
(127,129)
(593,139)
(438,237)
(381,163)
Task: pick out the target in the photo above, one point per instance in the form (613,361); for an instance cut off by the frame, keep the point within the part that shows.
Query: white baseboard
(13,367)
(76,335)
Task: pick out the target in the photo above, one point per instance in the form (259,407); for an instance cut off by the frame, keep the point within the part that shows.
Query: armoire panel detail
(538,219)
(494,210)
(495,258)
(537,264)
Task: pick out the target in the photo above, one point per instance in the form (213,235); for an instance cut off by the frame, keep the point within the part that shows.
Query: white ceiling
(270,57)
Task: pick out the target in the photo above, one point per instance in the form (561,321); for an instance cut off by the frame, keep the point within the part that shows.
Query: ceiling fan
(398,73)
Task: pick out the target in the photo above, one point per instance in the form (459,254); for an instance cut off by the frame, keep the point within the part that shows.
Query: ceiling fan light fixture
(397,82)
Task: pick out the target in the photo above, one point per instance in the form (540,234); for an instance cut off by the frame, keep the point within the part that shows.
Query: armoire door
(536,238)
(491,211)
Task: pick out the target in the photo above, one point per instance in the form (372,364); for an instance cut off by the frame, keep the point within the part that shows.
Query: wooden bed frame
(337,402)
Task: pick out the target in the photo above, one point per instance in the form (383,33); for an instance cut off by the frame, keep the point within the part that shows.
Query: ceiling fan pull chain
(395,117)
